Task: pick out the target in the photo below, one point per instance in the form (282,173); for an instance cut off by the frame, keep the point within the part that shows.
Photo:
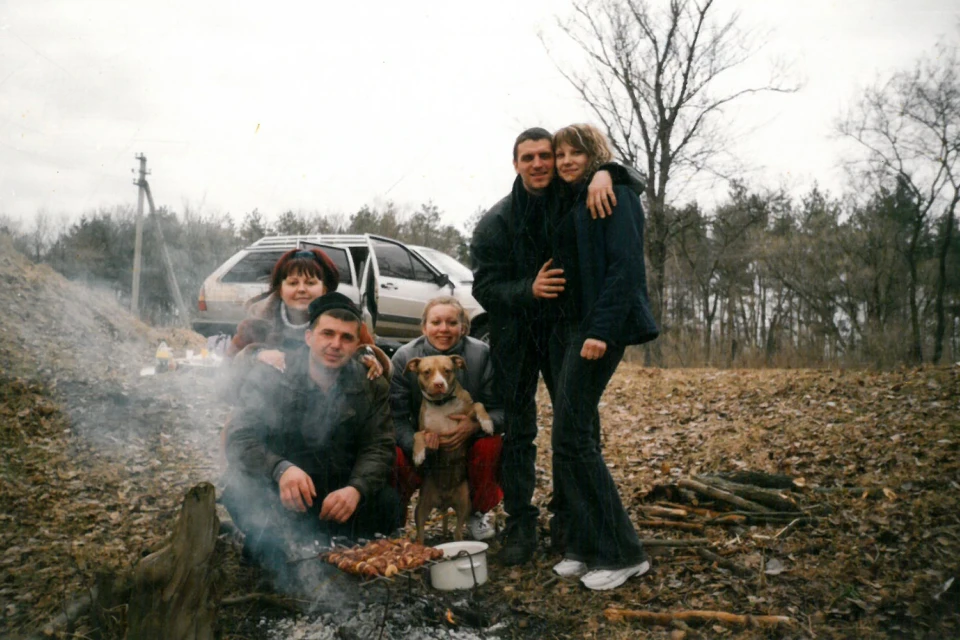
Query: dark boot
(518,546)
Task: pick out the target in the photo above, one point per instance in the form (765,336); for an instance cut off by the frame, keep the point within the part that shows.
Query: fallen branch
(728,520)
(793,525)
(700,511)
(710,556)
(670,524)
(770,515)
(760,479)
(767,497)
(664,512)
(660,542)
(723,496)
(759,518)
(697,617)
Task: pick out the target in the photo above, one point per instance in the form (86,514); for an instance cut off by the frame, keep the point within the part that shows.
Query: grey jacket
(405,397)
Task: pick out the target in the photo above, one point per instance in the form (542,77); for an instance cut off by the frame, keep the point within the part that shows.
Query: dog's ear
(413,365)
(459,362)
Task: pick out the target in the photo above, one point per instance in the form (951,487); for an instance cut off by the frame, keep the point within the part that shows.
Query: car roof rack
(287,242)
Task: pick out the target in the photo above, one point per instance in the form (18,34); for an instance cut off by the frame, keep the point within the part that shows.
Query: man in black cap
(310,449)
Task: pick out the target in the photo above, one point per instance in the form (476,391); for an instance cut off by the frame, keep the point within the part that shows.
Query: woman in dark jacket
(600,309)
(445,326)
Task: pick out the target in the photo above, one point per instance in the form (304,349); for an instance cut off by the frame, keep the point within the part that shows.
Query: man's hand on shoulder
(274,358)
(340,505)
(600,197)
(296,489)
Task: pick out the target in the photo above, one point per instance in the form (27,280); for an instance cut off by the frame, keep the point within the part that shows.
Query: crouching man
(310,450)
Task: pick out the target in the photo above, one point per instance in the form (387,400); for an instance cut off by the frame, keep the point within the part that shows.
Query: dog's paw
(486,424)
(419,457)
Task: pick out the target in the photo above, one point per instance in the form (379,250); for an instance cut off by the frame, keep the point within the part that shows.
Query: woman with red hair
(277,319)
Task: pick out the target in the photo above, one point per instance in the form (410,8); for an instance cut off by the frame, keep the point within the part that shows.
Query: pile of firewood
(743,498)
(723,500)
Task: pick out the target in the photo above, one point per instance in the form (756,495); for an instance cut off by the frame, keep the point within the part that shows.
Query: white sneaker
(479,526)
(603,579)
(570,568)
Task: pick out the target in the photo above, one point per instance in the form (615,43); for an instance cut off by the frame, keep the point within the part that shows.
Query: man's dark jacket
(349,443)
(509,247)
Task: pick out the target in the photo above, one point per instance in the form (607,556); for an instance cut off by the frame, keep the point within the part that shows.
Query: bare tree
(716,250)
(909,128)
(40,234)
(655,81)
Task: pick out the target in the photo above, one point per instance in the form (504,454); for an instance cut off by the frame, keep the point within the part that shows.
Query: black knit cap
(330,301)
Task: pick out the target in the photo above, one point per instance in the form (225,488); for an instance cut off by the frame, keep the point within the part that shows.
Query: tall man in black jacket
(515,283)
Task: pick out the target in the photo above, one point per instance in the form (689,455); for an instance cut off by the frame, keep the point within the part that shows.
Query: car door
(406,284)
(362,288)
(370,290)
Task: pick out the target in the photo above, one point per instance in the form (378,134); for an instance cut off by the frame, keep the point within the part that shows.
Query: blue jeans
(593,523)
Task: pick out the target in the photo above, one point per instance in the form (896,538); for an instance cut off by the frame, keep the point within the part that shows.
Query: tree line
(869,278)
(98,248)
(768,280)
(761,278)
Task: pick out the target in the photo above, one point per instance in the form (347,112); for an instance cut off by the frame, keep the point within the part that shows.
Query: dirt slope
(93,458)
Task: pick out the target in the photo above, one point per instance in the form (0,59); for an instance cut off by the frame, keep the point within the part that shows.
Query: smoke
(137,444)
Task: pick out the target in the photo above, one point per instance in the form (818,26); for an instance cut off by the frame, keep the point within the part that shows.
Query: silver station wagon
(391,282)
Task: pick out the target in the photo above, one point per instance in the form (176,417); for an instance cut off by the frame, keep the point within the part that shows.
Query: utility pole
(167,262)
(138,241)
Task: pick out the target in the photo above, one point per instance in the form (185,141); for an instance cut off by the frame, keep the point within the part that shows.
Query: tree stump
(174,589)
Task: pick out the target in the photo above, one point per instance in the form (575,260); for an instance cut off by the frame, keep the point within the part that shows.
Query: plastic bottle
(164,357)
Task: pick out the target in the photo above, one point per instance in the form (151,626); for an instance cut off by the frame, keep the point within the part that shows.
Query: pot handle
(467,563)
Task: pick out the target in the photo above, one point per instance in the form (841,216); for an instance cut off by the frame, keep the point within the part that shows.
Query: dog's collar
(442,401)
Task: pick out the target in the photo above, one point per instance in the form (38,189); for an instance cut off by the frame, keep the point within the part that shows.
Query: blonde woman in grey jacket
(445,326)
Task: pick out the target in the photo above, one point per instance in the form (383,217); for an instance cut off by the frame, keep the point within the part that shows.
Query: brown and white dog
(445,476)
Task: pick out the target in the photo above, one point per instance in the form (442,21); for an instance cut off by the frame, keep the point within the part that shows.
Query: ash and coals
(409,616)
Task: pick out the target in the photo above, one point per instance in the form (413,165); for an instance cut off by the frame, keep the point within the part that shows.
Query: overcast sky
(320,106)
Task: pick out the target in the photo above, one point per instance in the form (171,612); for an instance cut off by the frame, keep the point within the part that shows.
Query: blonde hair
(453,302)
(588,139)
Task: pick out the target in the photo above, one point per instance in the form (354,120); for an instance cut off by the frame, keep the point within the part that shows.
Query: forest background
(763,277)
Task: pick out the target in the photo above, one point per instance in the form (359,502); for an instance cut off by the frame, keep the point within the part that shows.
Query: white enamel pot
(463,567)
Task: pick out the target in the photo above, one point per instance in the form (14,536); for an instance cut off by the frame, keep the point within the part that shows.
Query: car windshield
(446,264)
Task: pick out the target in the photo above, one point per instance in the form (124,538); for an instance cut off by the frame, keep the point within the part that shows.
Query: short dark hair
(535,133)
